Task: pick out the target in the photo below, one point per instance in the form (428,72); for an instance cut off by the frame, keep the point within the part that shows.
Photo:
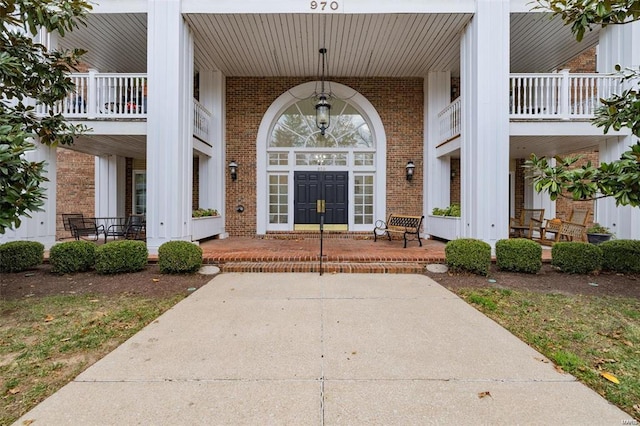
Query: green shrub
(452,210)
(519,255)
(121,256)
(468,254)
(72,256)
(621,256)
(576,258)
(16,256)
(176,257)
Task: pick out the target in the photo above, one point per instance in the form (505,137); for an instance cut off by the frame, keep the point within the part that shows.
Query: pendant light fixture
(323,107)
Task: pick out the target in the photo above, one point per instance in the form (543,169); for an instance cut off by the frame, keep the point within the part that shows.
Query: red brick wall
(585,62)
(455,181)
(75,186)
(399,101)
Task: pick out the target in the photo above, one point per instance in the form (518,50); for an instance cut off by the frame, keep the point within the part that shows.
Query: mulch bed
(150,282)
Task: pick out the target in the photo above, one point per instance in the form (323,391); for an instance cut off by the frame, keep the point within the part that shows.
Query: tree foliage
(619,179)
(30,74)
(582,15)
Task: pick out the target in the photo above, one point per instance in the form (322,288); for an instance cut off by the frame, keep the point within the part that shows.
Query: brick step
(327,267)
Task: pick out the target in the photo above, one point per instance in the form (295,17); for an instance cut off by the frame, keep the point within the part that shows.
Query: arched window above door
(296,127)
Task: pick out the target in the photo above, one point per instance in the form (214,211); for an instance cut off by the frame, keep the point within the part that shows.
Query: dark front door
(329,186)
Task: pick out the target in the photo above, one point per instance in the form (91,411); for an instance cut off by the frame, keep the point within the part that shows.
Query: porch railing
(449,119)
(554,96)
(560,95)
(105,96)
(201,121)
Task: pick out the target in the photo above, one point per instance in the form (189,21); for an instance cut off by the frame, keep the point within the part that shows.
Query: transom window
(296,127)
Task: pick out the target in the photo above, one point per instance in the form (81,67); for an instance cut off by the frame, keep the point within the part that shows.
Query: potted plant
(597,234)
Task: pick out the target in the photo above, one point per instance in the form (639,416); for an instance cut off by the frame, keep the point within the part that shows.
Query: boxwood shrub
(621,256)
(72,256)
(519,255)
(16,256)
(576,258)
(177,257)
(121,256)
(468,254)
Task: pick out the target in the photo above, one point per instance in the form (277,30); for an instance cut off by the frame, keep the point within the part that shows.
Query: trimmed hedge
(121,256)
(621,256)
(519,255)
(16,256)
(468,254)
(576,258)
(177,257)
(72,256)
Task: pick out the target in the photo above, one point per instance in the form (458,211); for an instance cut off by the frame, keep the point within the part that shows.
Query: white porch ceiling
(359,45)
(121,145)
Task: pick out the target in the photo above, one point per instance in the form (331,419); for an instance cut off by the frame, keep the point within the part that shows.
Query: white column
(212,96)
(110,181)
(169,124)
(619,44)
(485,123)
(41,226)
(437,171)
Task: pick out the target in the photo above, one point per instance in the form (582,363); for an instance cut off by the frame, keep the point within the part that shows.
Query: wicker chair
(554,226)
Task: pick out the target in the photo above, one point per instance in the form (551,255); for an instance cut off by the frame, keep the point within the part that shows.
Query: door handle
(320,206)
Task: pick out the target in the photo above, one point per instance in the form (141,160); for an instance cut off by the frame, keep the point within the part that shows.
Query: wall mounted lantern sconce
(323,107)
(410,168)
(453,175)
(233,170)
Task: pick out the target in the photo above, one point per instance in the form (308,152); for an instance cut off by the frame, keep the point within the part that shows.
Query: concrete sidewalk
(305,349)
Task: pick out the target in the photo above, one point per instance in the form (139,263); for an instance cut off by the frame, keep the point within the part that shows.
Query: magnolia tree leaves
(29,74)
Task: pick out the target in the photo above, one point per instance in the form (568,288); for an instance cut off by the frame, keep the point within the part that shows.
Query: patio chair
(530,220)
(85,227)
(578,216)
(137,227)
(65,220)
(118,228)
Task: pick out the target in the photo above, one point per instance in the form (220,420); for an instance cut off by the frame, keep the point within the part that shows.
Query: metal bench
(399,224)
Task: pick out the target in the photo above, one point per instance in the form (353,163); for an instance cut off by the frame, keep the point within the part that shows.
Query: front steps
(352,267)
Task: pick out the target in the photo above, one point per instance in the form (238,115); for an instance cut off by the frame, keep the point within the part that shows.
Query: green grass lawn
(46,342)
(596,339)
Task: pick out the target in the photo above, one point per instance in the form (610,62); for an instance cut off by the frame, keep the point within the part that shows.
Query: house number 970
(322,5)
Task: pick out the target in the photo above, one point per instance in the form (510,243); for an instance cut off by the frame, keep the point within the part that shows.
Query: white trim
(277,108)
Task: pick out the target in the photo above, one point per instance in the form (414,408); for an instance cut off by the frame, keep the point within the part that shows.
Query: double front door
(332,187)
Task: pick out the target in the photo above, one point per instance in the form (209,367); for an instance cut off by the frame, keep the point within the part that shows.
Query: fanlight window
(296,127)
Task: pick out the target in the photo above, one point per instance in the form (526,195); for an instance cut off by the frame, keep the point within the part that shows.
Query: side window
(139,205)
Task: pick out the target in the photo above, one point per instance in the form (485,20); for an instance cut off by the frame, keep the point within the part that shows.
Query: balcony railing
(449,120)
(201,121)
(104,96)
(557,96)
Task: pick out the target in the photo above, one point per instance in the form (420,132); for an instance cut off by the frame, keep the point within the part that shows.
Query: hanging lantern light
(323,107)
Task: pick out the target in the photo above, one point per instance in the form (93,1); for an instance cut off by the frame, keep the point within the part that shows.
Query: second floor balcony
(116,96)
(543,97)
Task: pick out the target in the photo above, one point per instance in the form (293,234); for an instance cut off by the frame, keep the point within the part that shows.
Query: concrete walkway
(300,349)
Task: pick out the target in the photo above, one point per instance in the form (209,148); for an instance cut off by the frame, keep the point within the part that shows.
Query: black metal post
(321,238)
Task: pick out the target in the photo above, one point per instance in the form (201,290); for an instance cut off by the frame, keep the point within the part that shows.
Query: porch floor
(341,254)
